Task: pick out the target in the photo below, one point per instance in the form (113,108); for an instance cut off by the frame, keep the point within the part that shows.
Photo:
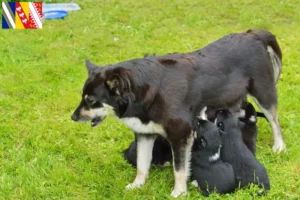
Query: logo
(21,15)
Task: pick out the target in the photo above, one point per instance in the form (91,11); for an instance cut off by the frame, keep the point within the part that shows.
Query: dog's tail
(273,48)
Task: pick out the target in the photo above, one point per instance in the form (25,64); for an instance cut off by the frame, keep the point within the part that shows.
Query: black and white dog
(169,91)
(248,115)
(209,172)
(246,167)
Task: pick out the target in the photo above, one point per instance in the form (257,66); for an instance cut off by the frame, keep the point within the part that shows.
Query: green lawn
(45,155)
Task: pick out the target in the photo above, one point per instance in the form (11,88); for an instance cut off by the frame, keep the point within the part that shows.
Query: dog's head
(226,121)
(104,93)
(248,113)
(207,135)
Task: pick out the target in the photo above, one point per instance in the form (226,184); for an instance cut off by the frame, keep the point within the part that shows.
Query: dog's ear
(203,114)
(113,83)
(241,124)
(90,66)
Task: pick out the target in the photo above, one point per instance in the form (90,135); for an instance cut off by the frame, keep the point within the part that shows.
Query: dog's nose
(74,117)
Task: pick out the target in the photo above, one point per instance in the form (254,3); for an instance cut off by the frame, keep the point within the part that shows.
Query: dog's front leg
(144,156)
(181,163)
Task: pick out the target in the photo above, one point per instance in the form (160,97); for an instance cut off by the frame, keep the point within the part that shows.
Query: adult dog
(162,94)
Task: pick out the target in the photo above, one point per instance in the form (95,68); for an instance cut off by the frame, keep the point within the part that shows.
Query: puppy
(246,167)
(248,115)
(208,170)
(161,153)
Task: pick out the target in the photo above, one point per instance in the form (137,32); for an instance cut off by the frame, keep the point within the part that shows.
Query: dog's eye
(90,101)
(220,125)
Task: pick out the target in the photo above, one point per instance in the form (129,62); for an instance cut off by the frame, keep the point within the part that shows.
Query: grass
(44,155)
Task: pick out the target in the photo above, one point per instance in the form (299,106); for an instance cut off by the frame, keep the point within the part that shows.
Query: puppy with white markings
(246,167)
(209,172)
(248,115)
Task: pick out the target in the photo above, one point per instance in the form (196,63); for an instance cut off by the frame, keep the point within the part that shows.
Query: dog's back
(208,170)
(246,167)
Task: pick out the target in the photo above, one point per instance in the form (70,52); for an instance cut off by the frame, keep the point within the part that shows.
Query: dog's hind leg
(267,101)
(272,116)
(144,156)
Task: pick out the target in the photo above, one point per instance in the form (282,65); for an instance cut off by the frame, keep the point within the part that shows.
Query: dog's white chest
(216,156)
(137,126)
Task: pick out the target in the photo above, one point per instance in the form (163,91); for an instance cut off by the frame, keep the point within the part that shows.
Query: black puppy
(208,170)
(246,167)
(248,115)
(161,153)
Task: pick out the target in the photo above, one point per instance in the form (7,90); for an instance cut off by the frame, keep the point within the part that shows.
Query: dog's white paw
(194,183)
(177,192)
(133,186)
(279,147)
(166,164)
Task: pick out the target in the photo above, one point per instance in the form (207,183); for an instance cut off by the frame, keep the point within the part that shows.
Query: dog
(209,172)
(246,167)
(161,153)
(248,116)
(171,90)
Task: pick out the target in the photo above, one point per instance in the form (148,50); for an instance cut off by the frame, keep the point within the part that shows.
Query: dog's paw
(279,147)
(133,186)
(177,192)
(166,164)
(194,183)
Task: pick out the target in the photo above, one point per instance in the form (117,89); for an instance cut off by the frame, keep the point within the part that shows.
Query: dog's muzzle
(74,117)
(96,121)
